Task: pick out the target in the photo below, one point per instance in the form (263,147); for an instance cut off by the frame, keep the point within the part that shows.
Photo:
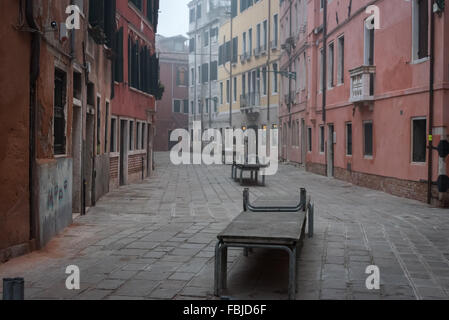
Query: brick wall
(316,168)
(402,188)
(135,163)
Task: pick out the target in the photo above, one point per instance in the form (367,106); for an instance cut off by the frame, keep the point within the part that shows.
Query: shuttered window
(59,122)
(213,70)
(102,18)
(118,67)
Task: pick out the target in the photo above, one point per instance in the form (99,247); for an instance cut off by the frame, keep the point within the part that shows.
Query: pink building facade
(360,106)
(136,75)
(173,109)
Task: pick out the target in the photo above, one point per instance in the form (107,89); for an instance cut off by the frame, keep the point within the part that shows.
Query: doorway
(330,151)
(123,151)
(303,142)
(77,160)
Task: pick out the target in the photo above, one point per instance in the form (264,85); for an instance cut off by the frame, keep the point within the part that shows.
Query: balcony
(274,44)
(249,100)
(257,52)
(290,98)
(362,84)
(246,56)
(263,49)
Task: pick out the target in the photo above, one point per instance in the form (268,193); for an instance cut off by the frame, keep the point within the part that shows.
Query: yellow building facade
(248,66)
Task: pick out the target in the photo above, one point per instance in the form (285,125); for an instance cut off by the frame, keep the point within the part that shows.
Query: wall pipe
(431,102)
(34,73)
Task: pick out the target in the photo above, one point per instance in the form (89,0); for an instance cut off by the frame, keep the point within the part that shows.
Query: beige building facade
(248,66)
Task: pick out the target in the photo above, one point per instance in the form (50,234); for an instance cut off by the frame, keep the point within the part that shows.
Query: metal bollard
(303,198)
(14,289)
(311,209)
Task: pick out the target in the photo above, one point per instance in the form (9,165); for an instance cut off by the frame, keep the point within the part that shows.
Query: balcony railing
(251,99)
(290,98)
(362,84)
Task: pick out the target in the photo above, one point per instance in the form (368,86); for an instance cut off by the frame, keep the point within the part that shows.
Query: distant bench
(267,223)
(253,168)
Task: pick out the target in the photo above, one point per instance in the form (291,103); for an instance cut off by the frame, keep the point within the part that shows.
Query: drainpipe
(431,102)
(34,73)
(324,59)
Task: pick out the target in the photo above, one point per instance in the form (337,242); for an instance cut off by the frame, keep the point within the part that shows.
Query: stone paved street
(155,240)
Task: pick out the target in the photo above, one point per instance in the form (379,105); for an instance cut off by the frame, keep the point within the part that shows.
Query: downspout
(324,59)
(431,102)
(289,83)
(34,73)
(268,62)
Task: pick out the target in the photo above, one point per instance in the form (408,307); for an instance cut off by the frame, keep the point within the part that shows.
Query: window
(186,106)
(59,120)
(235,49)
(221,92)
(265,35)
(205,73)
(181,77)
(309,138)
(234,8)
(199,74)
(235,89)
(98,125)
(198,12)
(138,135)
(143,67)
(192,76)
(321,69)
(131,135)
(228,92)
(215,104)
(113,147)
(369,46)
(264,81)
(341,60)
(192,45)
(106,129)
(420,29)
(276,30)
(250,41)
(102,17)
(349,139)
(419,140)
(192,15)
(142,139)
(213,70)
(192,107)
(177,106)
(275,78)
(118,61)
(244,43)
(77,86)
(206,39)
(258,37)
(330,66)
(368,138)
(322,139)
(137,3)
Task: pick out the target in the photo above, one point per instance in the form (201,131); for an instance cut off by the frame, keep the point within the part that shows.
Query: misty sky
(173,17)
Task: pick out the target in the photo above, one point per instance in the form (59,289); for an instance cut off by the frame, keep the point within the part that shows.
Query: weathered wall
(14,124)
(102,176)
(55,197)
